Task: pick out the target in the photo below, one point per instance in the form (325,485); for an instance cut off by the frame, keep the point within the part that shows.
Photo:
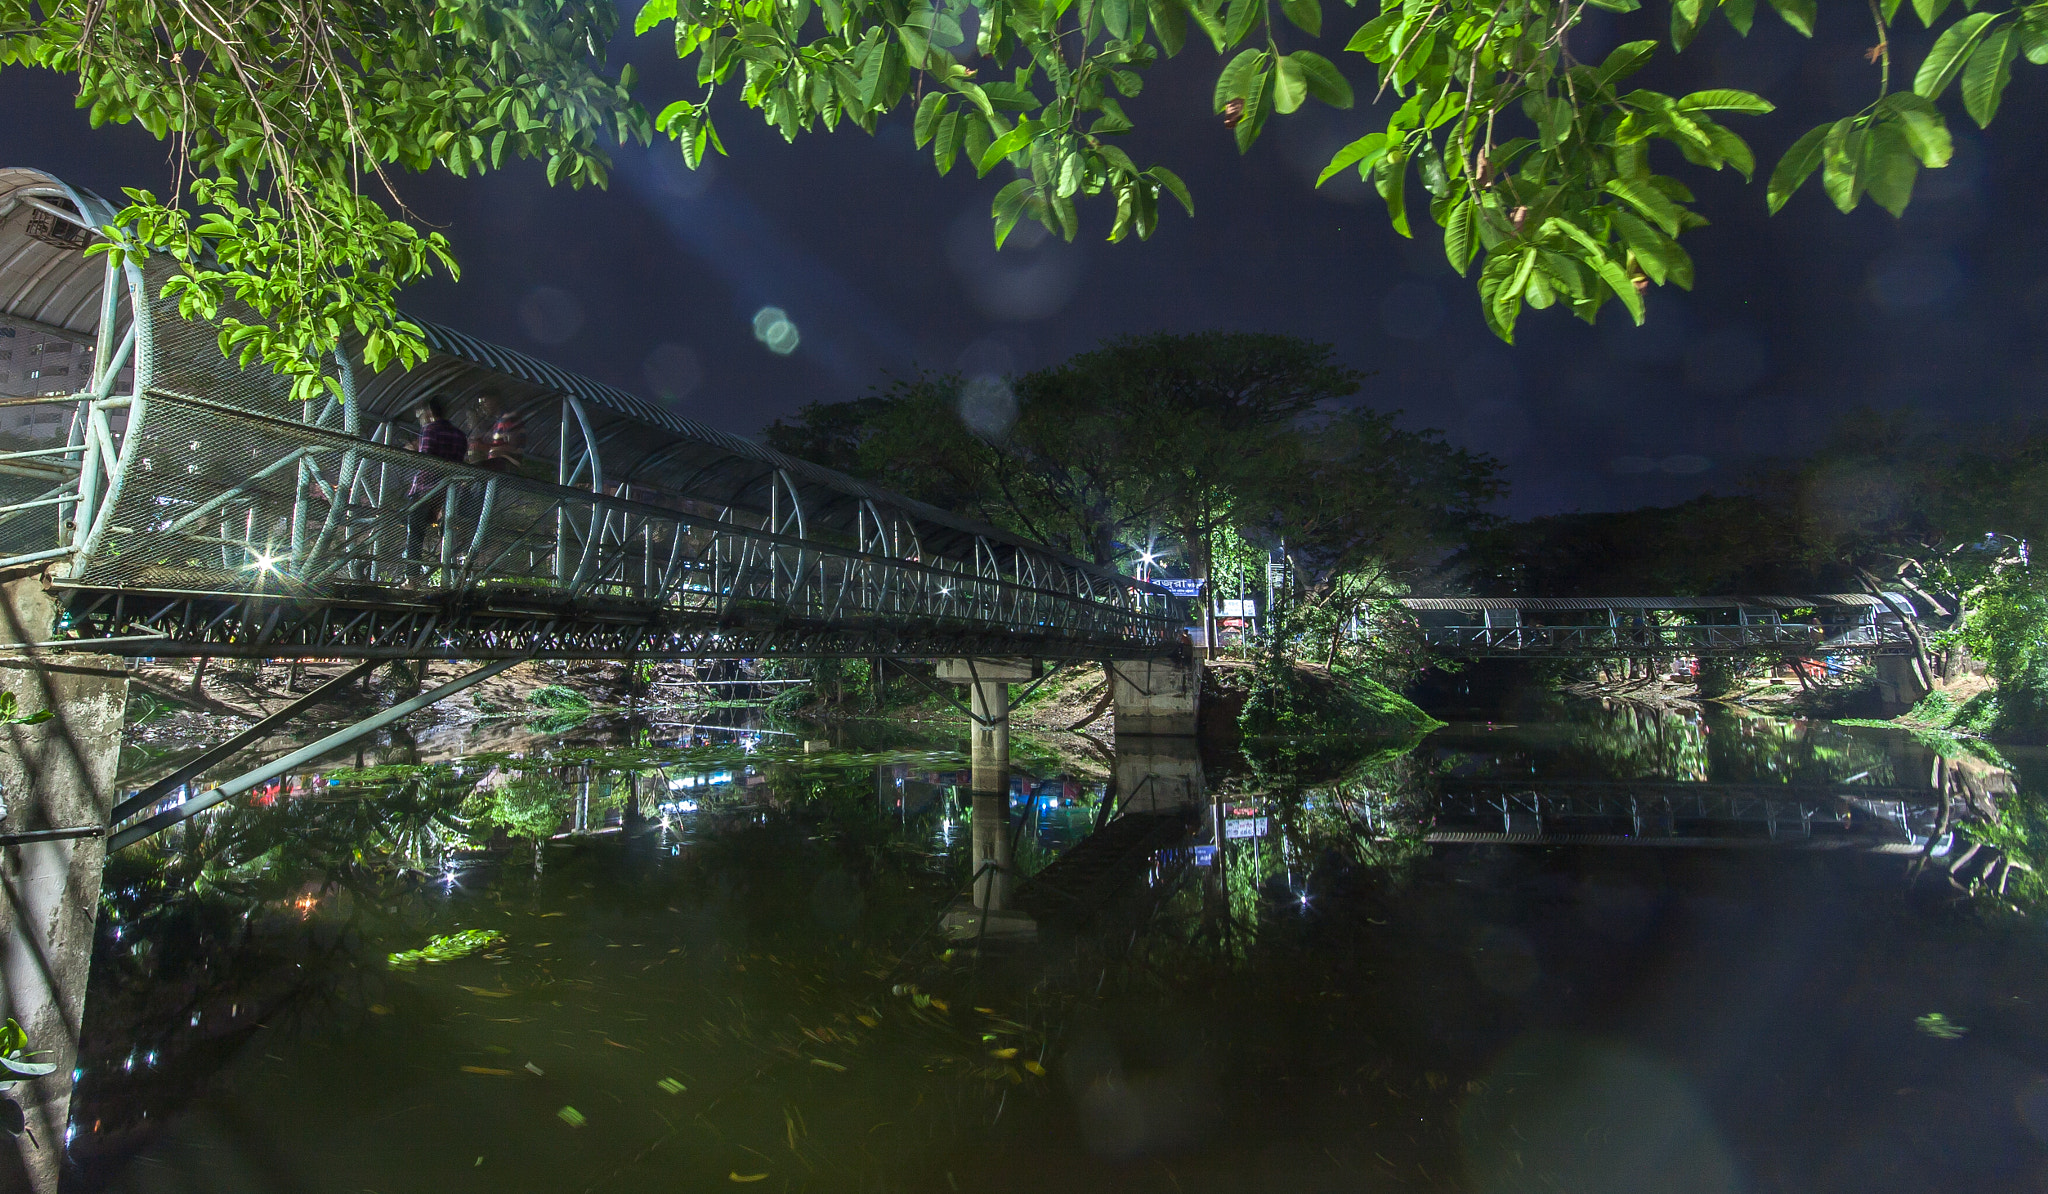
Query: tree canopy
(289,119)
(1202,441)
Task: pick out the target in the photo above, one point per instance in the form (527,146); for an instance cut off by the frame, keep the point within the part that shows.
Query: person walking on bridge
(438,438)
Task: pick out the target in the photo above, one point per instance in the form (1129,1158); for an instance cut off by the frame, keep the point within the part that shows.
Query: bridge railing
(221,501)
(1667,640)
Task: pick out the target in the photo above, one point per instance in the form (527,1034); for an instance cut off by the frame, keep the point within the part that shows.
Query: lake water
(1584,952)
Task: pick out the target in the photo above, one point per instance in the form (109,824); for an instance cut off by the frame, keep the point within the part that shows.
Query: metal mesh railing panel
(218,501)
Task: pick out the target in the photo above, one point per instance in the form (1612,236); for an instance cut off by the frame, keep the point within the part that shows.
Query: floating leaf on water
(496,1049)
(484,1069)
(486,994)
(571,1116)
(869,1021)
(671,1086)
(830,1065)
(986,1011)
(545,915)
(536,1070)
(921,999)
(1035,1068)
(941,1004)
(737,1176)
(1005,1054)
(378,1009)
(1940,1027)
(447,948)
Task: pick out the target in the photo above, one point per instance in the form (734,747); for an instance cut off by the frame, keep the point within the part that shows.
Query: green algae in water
(447,948)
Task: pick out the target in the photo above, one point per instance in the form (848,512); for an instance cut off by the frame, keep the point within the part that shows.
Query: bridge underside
(161,625)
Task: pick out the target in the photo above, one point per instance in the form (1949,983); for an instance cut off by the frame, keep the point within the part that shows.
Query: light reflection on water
(725,963)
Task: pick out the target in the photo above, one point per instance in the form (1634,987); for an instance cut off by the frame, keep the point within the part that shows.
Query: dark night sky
(883,266)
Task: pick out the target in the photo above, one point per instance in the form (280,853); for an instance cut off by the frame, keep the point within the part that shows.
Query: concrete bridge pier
(57,786)
(988,687)
(1157,696)
(1899,683)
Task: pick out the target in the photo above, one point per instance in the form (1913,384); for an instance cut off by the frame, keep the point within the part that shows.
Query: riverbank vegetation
(1944,518)
(1229,461)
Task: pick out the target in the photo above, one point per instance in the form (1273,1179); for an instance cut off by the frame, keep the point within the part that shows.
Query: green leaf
(1741,14)
(1796,13)
(1007,144)
(1257,107)
(1290,86)
(1951,50)
(1659,256)
(946,144)
(1170,21)
(1116,17)
(1461,235)
(1307,15)
(1008,205)
(1924,126)
(1930,10)
(2034,34)
(653,13)
(1364,152)
(1617,5)
(1648,200)
(1171,183)
(1236,80)
(929,114)
(1239,18)
(1210,25)
(1325,81)
(1990,69)
(1841,166)
(1725,99)
(31,1069)
(1625,60)
(1391,179)
(1796,167)
(1889,168)
(1371,38)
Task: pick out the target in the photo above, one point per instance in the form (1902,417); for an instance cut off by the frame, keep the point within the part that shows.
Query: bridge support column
(988,686)
(1899,685)
(1157,696)
(56,783)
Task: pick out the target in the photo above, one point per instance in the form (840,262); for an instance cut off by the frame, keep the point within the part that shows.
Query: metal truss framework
(1845,815)
(193,510)
(1604,641)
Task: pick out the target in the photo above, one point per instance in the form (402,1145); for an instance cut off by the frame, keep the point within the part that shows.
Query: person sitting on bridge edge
(502,446)
(439,438)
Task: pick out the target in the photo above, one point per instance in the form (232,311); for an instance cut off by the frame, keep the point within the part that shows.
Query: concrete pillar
(1157,696)
(988,687)
(989,755)
(57,782)
(1898,683)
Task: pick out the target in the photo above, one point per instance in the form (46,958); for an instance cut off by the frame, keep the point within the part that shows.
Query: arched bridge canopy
(187,506)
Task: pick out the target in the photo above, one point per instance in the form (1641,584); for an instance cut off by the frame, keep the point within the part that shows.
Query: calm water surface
(747,988)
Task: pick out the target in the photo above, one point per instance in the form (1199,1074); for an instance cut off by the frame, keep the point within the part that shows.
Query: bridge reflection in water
(1888,820)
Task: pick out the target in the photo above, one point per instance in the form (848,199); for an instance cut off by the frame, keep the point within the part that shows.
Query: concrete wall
(1157,696)
(55,776)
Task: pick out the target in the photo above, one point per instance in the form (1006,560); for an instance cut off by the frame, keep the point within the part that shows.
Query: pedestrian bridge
(1613,627)
(183,506)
